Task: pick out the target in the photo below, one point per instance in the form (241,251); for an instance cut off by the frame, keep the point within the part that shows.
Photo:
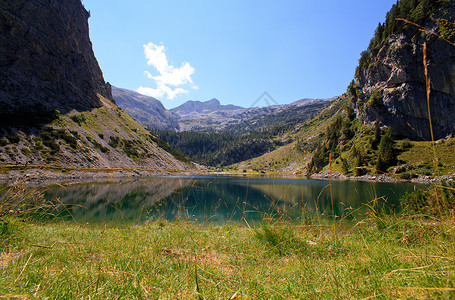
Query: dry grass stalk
(423,29)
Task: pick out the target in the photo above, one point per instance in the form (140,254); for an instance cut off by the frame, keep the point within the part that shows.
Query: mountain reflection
(127,201)
(220,199)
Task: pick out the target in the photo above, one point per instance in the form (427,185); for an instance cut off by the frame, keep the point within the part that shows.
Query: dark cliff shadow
(47,63)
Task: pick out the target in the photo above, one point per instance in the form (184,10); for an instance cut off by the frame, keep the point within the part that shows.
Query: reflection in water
(220,199)
(127,201)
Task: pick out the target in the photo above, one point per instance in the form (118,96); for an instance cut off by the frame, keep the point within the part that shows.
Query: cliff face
(393,89)
(50,76)
(46,58)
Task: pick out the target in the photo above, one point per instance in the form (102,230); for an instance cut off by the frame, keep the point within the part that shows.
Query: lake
(221,199)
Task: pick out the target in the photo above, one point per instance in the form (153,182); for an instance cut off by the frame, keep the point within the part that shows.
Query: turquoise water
(221,199)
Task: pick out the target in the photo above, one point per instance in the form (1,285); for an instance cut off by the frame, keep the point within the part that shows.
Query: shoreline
(52,175)
(38,176)
(326,175)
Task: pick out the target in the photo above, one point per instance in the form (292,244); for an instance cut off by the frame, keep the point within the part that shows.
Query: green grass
(420,158)
(388,256)
(404,257)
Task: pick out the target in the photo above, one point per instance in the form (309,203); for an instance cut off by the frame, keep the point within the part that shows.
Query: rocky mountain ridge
(193,106)
(240,120)
(148,111)
(391,88)
(212,116)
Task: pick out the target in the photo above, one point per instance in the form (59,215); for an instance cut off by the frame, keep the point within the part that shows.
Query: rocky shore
(381,178)
(46,177)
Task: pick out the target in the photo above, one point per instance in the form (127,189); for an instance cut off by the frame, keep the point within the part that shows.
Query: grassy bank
(384,257)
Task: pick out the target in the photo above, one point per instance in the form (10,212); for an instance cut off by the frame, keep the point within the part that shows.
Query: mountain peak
(198,106)
(213,101)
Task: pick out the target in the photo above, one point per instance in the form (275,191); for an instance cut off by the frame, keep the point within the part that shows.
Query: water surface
(221,199)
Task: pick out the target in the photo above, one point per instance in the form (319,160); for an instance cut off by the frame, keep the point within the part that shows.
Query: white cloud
(160,91)
(171,81)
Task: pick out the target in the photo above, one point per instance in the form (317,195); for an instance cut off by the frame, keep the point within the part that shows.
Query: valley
(107,193)
(112,127)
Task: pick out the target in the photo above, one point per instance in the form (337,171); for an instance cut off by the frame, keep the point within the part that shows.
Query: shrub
(405,176)
(377,135)
(48,140)
(130,148)
(50,135)
(114,141)
(405,144)
(67,137)
(13,138)
(447,29)
(80,119)
(25,151)
(375,99)
(75,134)
(359,165)
(344,166)
(97,145)
(38,143)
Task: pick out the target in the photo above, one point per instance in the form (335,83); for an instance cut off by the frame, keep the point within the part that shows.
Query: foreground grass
(387,257)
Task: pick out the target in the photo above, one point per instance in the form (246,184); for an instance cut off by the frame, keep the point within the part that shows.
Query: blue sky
(232,50)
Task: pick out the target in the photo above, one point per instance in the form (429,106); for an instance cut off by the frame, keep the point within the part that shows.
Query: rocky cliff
(55,107)
(391,86)
(46,59)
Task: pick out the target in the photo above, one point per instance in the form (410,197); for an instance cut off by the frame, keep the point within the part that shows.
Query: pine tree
(359,163)
(344,166)
(377,135)
(386,152)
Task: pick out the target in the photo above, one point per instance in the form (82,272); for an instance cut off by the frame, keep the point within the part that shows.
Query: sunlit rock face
(397,72)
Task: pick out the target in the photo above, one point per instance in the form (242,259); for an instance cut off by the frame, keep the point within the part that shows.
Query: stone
(40,71)
(397,70)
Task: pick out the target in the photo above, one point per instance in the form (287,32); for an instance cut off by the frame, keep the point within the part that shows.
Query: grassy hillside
(294,157)
(418,159)
(355,148)
(104,137)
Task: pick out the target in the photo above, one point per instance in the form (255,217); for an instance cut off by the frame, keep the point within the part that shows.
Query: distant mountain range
(146,110)
(210,116)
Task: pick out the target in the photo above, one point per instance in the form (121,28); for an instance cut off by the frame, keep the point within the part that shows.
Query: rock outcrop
(393,85)
(55,107)
(46,59)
